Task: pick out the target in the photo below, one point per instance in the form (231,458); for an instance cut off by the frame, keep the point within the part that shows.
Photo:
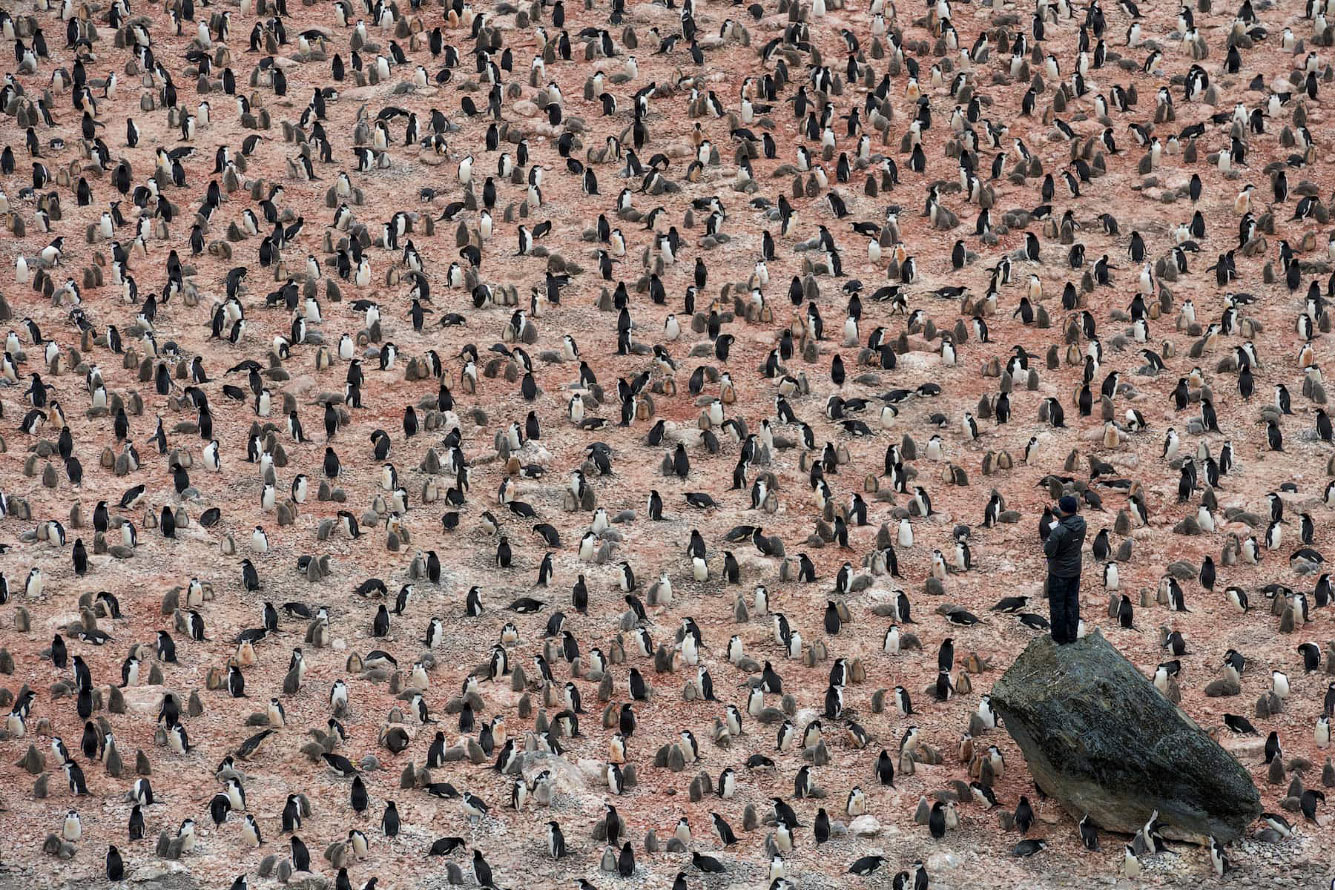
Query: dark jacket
(1063,547)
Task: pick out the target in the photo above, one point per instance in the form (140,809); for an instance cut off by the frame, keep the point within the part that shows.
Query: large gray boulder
(1098,737)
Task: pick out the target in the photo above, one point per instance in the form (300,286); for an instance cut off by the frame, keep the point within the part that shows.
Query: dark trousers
(1064,607)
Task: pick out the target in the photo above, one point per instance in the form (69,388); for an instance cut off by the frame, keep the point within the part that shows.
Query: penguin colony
(608,443)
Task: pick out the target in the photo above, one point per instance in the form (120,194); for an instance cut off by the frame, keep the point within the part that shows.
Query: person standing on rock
(1064,550)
